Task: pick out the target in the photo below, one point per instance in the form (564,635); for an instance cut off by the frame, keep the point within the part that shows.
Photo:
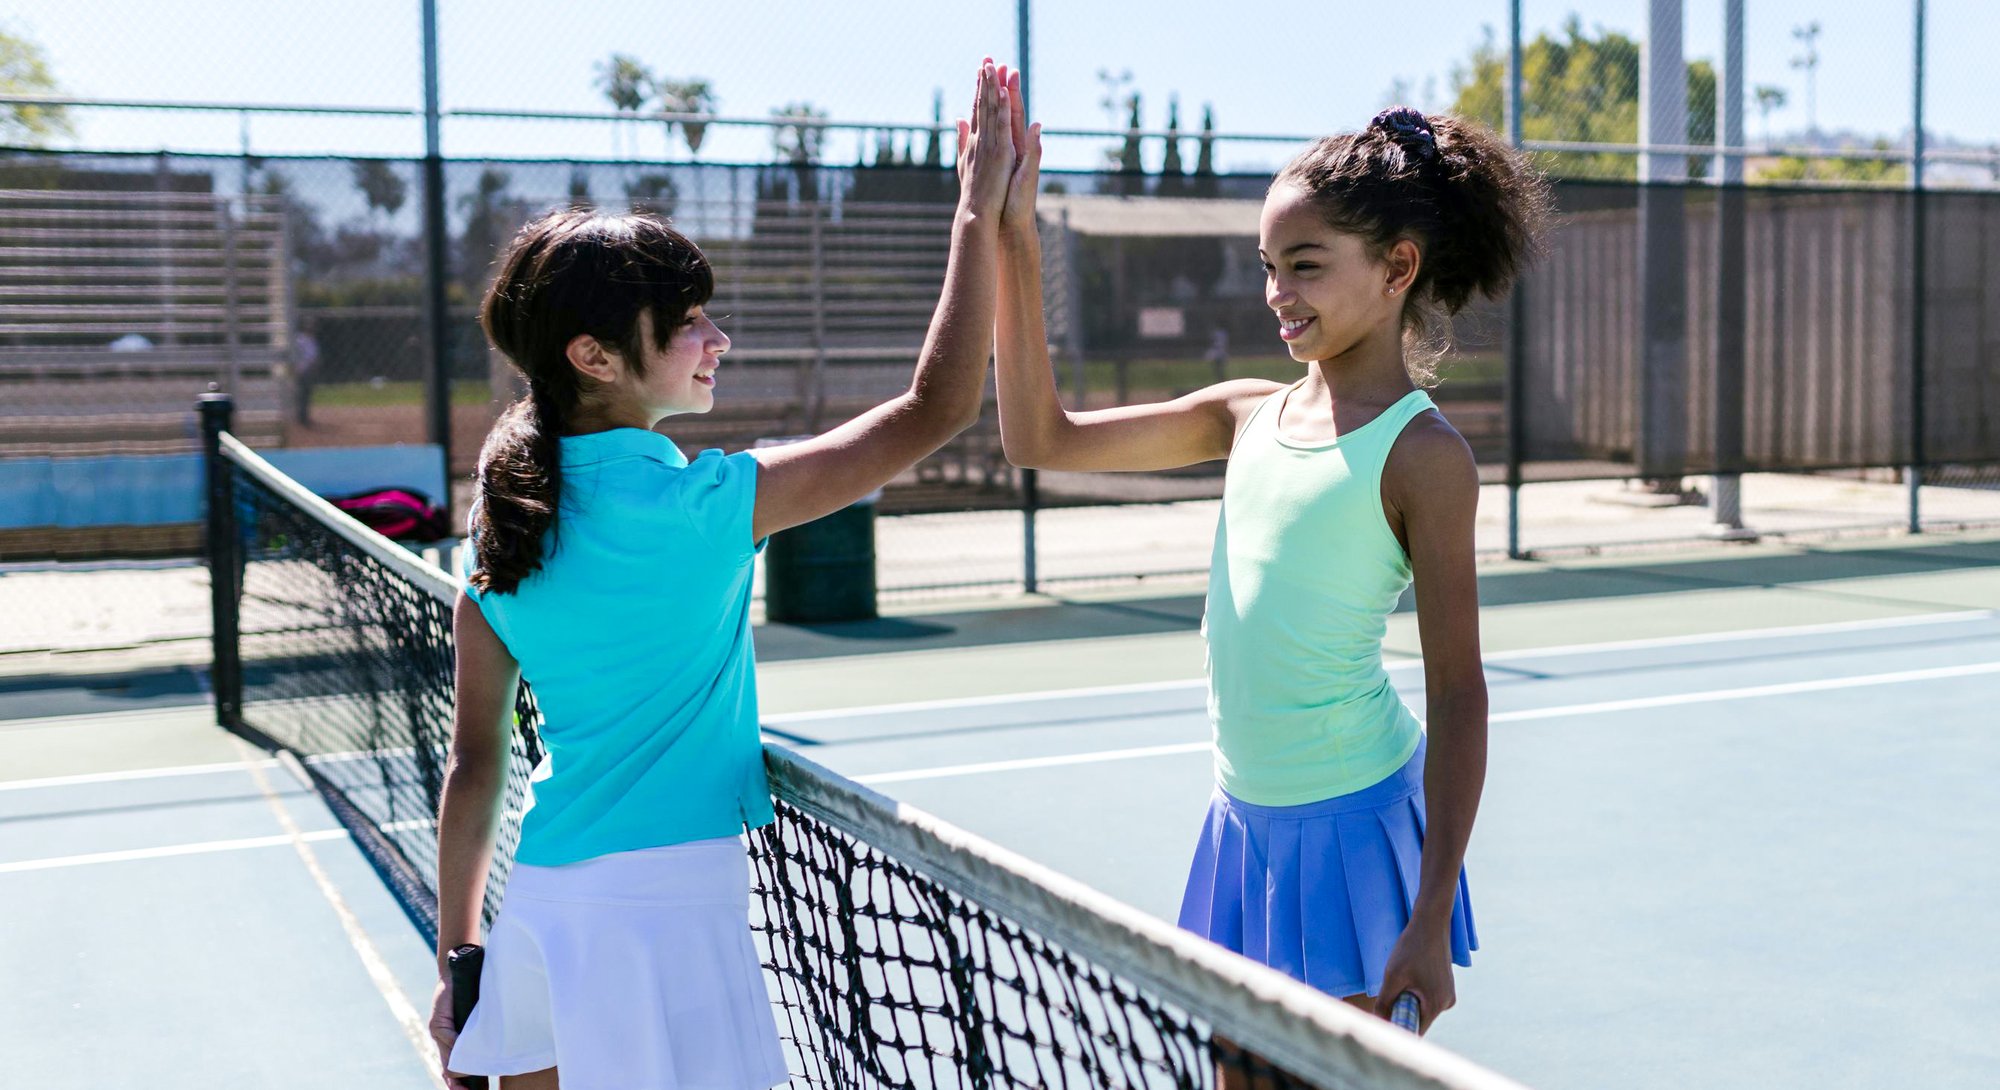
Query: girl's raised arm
(801,482)
(1034,429)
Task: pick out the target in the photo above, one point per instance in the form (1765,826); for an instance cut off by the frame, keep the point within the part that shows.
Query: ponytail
(520,490)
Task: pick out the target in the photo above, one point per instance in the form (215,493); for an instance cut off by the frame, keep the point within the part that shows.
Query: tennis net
(899,951)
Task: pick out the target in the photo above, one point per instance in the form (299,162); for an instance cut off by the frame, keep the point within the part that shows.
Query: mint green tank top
(1304,576)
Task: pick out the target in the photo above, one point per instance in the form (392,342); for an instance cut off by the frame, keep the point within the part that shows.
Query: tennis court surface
(1733,832)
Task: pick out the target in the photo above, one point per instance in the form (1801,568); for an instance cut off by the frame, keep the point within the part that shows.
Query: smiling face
(1327,289)
(680,378)
(677,378)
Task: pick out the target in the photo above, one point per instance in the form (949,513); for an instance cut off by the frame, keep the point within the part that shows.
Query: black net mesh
(887,978)
(347,664)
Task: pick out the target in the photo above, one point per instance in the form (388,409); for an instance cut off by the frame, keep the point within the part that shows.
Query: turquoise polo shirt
(635,634)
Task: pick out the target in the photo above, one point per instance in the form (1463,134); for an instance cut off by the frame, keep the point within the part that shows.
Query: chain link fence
(1827,326)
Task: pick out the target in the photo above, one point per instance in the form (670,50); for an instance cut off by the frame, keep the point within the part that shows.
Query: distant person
(1335,838)
(305,370)
(615,575)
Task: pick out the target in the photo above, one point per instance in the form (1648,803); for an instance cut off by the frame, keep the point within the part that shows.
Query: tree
(934,151)
(1866,171)
(687,96)
(492,215)
(24,70)
(1768,98)
(379,183)
(626,82)
(1130,162)
(1577,88)
(652,191)
(1173,172)
(799,144)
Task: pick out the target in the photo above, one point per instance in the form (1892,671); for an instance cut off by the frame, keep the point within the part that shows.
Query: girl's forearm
(468,816)
(1031,413)
(1454,775)
(950,380)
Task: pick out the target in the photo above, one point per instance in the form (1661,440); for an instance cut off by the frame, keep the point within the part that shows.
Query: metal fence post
(232,297)
(221,552)
(437,324)
(1663,340)
(1726,502)
(816,394)
(1919,282)
(1021,48)
(1517,309)
(1031,501)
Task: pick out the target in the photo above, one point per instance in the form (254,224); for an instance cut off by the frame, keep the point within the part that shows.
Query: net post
(220,549)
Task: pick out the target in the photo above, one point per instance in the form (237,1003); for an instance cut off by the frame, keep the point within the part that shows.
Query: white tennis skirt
(633,971)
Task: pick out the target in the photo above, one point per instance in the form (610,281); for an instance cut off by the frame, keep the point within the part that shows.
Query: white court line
(1712,696)
(206,847)
(1034,762)
(1950,617)
(166,851)
(133,774)
(415,1026)
(84,719)
(1935,673)
(1914,620)
(985,701)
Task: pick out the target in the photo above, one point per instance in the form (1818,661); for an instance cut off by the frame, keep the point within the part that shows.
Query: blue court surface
(1756,851)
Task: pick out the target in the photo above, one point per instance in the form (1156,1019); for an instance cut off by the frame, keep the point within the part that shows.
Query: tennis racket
(464,963)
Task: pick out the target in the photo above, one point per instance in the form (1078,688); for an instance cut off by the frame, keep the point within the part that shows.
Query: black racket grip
(464,963)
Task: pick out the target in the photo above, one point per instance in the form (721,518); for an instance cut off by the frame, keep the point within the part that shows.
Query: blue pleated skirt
(1322,891)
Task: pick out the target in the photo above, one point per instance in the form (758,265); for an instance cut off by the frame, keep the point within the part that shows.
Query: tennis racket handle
(1408,1012)
(464,963)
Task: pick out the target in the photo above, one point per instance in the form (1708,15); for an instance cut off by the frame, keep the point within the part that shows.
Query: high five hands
(999,153)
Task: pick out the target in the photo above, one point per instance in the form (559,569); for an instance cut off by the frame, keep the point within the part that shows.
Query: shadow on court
(1526,583)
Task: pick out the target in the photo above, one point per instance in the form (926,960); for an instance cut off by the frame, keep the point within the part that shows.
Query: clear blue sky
(1267,67)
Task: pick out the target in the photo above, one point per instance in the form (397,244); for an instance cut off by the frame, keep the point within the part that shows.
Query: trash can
(823,570)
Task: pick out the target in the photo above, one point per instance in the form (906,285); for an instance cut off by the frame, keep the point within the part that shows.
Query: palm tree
(1768,98)
(626,82)
(799,145)
(687,96)
(381,186)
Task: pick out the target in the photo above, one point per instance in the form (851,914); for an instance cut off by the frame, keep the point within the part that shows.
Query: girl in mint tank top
(613,573)
(1334,843)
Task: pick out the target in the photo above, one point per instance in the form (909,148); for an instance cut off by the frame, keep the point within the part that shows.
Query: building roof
(1151,217)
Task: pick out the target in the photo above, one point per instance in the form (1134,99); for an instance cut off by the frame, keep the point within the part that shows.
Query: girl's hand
(1420,963)
(1018,217)
(442,1033)
(985,145)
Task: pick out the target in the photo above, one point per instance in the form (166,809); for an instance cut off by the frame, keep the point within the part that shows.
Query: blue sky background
(1267,67)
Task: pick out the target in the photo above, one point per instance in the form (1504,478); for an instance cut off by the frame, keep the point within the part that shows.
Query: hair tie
(1410,130)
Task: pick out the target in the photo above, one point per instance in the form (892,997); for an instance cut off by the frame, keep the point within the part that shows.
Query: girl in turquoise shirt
(615,575)
(1334,842)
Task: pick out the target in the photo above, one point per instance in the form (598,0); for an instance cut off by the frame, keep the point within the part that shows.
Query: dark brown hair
(1475,208)
(566,275)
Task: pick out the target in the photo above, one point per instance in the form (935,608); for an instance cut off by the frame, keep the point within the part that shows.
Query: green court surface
(1736,828)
